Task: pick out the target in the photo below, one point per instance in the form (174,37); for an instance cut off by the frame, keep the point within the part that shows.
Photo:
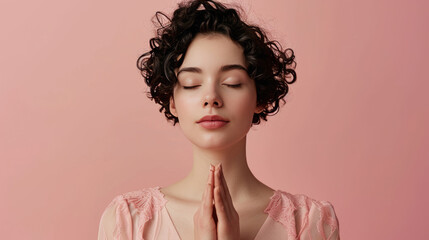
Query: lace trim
(123,217)
(282,209)
(327,215)
(283,206)
(145,201)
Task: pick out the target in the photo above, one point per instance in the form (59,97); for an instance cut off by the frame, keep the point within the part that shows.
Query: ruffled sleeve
(127,216)
(323,222)
(304,217)
(116,221)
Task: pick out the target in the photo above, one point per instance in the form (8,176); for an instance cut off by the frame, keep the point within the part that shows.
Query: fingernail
(211,167)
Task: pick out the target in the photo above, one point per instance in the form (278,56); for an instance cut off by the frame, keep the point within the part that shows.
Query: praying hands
(216,218)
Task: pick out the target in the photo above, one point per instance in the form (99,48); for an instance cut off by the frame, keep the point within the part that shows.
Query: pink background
(76,128)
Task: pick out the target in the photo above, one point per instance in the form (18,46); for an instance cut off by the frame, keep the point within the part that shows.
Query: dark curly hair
(268,65)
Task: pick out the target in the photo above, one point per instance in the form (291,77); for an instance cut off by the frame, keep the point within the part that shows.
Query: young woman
(216,76)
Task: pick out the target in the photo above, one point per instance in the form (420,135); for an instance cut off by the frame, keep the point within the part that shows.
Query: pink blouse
(141,215)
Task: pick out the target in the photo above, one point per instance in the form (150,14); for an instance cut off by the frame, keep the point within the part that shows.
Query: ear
(259,109)
(173,107)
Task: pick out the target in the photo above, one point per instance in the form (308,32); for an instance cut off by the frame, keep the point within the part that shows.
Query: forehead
(210,51)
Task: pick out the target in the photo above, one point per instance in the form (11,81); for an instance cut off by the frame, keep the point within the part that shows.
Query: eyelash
(234,85)
(229,85)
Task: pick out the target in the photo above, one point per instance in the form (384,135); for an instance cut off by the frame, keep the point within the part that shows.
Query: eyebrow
(224,68)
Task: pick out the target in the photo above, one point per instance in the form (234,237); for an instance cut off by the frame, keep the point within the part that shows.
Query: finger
(206,190)
(232,214)
(210,184)
(225,192)
(222,206)
(219,184)
(225,186)
(208,198)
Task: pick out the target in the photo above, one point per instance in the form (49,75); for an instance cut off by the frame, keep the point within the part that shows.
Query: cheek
(245,104)
(185,106)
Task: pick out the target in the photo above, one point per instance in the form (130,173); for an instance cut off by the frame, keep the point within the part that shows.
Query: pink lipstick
(212,122)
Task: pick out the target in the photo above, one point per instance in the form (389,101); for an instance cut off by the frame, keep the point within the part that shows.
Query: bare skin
(187,198)
(227,202)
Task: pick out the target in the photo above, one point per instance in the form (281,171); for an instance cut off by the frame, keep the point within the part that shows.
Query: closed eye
(190,87)
(233,85)
(229,85)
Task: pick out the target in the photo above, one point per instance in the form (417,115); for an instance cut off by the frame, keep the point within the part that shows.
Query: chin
(215,142)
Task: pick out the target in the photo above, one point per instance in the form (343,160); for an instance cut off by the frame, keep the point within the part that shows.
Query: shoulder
(302,215)
(118,217)
(143,201)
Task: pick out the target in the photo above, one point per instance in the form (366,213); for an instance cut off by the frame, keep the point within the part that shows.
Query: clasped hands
(216,217)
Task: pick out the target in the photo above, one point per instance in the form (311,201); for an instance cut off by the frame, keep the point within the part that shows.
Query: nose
(212,98)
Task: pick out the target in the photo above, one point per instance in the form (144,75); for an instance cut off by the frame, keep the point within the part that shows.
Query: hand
(228,227)
(204,223)
(221,220)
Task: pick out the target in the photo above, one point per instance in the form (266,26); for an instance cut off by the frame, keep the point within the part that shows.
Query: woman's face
(213,81)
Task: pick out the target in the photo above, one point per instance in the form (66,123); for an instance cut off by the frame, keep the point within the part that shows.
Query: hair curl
(268,65)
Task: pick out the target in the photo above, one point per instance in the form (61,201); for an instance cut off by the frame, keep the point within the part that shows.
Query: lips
(212,122)
(212,118)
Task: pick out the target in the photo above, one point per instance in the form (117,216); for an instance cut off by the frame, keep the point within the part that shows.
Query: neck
(237,174)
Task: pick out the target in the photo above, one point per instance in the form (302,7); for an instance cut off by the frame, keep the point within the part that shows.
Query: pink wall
(76,128)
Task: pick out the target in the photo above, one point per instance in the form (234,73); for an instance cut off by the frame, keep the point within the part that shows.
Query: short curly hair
(268,65)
